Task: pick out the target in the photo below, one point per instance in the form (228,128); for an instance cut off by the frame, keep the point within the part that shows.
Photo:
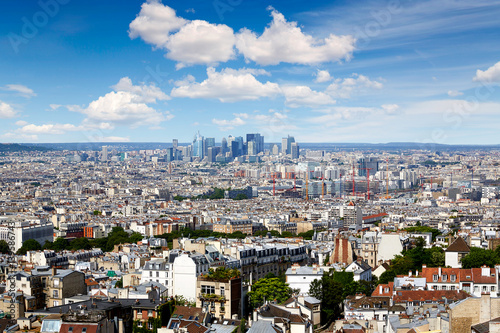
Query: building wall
(185,277)
(473,311)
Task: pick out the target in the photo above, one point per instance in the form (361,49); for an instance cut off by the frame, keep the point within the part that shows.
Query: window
(485,288)
(55,293)
(70,329)
(453,278)
(452,288)
(56,283)
(157,274)
(492,288)
(84,329)
(222,291)
(435,277)
(443,288)
(207,289)
(445,277)
(150,313)
(150,274)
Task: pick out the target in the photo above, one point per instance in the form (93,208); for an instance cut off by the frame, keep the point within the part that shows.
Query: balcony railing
(212,297)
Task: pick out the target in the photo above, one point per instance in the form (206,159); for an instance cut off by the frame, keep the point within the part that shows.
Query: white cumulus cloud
(284,41)
(322,76)
(226,125)
(297,96)
(228,85)
(344,88)
(187,42)
(154,23)
(492,74)
(6,111)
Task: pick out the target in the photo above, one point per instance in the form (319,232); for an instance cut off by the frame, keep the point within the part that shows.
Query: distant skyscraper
(286,144)
(275,150)
(239,146)
(252,148)
(212,153)
(209,142)
(175,143)
(295,150)
(198,150)
(367,163)
(223,146)
(104,153)
(258,142)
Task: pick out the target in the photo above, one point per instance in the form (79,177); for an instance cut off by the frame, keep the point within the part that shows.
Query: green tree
(269,290)
(119,283)
(81,243)
(60,244)
(4,247)
(241,196)
(327,259)
(308,235)
(479,257)
(330,293)
(135,238)
(29,245)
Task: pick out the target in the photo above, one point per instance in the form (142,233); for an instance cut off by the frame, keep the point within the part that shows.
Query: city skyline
(398,71)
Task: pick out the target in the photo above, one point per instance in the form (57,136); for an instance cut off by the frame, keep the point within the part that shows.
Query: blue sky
(323,71)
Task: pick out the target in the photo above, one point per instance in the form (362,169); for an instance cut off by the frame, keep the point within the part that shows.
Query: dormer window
(435,278)
(445,277)
(453,278)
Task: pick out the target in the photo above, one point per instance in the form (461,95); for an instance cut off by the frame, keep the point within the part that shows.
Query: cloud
(344,88)
(127,105)
(32,129)
(154,23)
(228,85)
(191,42)
(6,111)
(297,96)
(20,89)
(492,74)
(114,139)
(225,125)
(284,41)
(454,93)
(322,76)
(200,42)
(21,123)
(390,108)
(143,93)
(188,42)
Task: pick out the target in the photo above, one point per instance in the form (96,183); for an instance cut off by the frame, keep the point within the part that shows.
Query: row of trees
(115,237)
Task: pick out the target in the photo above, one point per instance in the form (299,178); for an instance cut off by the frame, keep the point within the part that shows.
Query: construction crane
(353,182)
(387,180)
(367,182)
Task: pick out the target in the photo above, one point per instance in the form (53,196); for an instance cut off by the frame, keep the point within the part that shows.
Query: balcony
(212,297)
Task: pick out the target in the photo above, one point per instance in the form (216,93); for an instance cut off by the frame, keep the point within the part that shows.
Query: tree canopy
(29,245)
(269,289)
(333,288)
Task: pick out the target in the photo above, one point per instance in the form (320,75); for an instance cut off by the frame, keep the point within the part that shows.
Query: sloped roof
(459,245)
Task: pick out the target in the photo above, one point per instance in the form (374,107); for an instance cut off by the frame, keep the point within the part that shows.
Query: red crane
(367,182)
